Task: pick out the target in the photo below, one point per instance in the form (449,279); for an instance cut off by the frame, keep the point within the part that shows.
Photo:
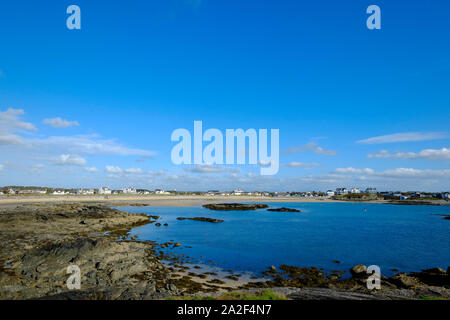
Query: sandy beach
(157,200)
(178,200)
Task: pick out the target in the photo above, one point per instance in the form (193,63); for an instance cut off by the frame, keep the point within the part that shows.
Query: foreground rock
(235,206)
(117,269)
(283,209)
(316,284)
(359,271)
(39,242)
(202,219)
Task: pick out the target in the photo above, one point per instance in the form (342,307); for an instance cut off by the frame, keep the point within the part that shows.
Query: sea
(331,236)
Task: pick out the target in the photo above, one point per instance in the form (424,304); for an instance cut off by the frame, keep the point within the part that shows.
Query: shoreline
(41,240)
(187,201)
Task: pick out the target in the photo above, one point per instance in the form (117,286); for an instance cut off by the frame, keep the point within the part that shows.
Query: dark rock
(434,270)
(158,224)
(433,277)
(201,219)
(359,271)
(235,206)
(283,209)
(404,281)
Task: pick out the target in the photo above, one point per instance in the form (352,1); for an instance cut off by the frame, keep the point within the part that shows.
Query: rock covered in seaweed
(235,206)
(201,219)
(283,209)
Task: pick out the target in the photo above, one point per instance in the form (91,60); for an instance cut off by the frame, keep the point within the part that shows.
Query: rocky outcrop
(234,206)
(40,241)
(433,277)
(283,209)
(359,271)
(104,264)
(404,281)
(202,219)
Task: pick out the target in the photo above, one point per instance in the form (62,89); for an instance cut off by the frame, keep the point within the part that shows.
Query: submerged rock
(283,209)
(235,206)
(202,219)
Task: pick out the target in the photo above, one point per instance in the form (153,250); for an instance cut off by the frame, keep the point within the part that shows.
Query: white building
(371,190)
(85,191)
(238,192)
(129,190)
(330,193)
(159,191)
(104,190)
(58,193)
(355,190)
(341,191)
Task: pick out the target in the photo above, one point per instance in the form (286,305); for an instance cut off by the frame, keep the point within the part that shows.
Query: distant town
(343,193)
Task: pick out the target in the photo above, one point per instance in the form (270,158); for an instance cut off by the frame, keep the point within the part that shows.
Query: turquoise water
(408,238)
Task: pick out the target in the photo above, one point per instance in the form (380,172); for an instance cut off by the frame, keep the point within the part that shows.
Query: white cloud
(70,160)
(88,145)
(324,180)
(118,170)
(414,173)
(404,137)
(134,171)
(60,123)
(2,167)
(91,169)
(37,168)
(10,123)
(11,139)
(430,154)
(354,170)
(113,169)
(397,172)
(295,164)
(312,146)
(11,126)
(209,169)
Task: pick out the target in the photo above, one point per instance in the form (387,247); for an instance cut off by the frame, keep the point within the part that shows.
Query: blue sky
(137,70)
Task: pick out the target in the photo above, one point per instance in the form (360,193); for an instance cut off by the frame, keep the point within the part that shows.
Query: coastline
(184,201)
(40,240)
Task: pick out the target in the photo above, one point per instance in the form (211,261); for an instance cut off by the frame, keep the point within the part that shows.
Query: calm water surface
(408,238)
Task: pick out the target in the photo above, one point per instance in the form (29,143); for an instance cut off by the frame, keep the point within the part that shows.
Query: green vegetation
(357,196)
(260,295)
(430,298)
